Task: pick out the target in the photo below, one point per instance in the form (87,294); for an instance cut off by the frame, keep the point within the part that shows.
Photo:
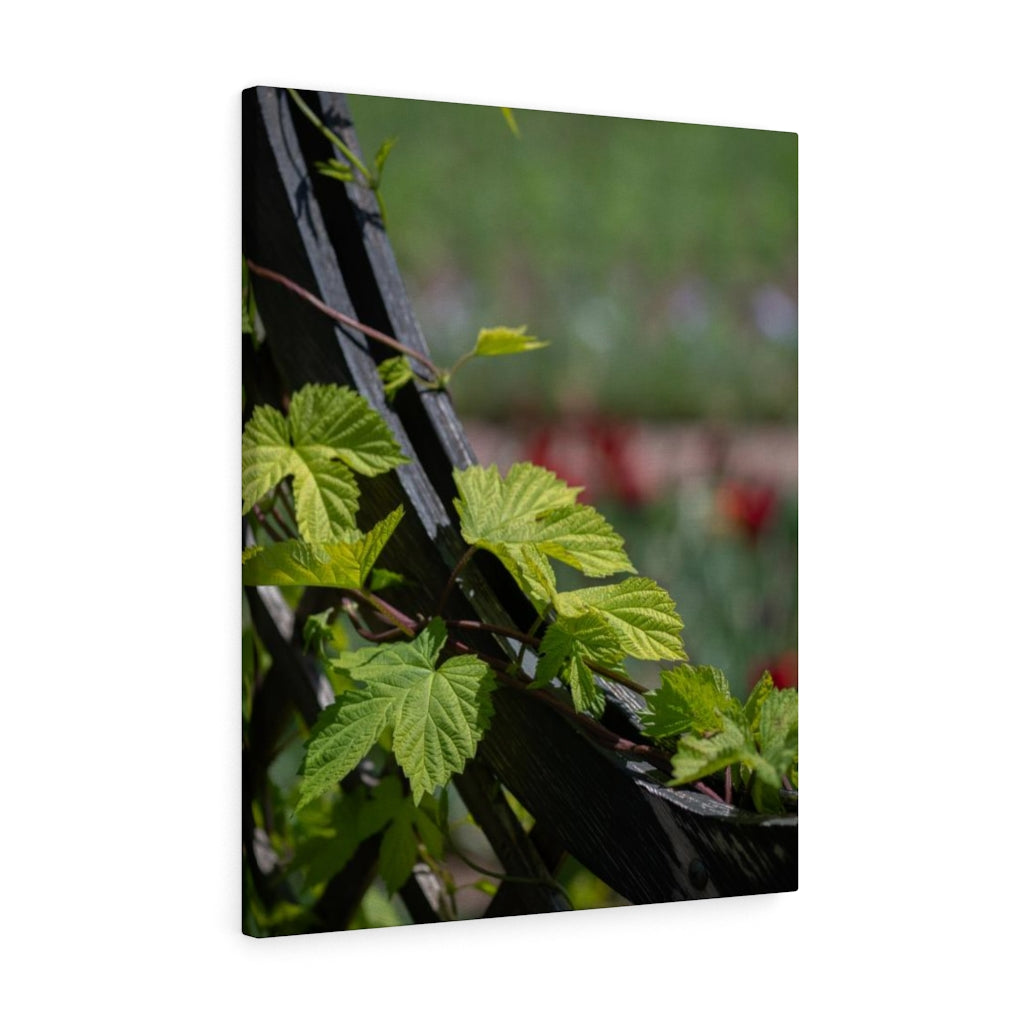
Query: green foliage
(640,612)
(531,516)
(568,645)
(437,713)
(715,732)
(505,341)
(692,698)
(394,373)
(344,563)
(329,431)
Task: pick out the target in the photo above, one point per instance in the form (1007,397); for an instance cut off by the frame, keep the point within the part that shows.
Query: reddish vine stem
(602,734)
(407,626)
(266,524)
(347,321)
(529,638)
(728,784)
(707,791)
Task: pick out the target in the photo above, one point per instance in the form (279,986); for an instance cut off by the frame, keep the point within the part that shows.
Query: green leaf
(778,734)
(530,516)
(382,155)
(329,432)
(755,701)
(505,341)
(437,713)
(394,373)
(381,579)
(691,698)
(334,168)
(698,756)
(567,646)
(345,563)
(317,631)
(642,614)
(398,849)
(341,738)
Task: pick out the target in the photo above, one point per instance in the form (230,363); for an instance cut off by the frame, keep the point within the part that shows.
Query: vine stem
(347,321)
(266,524)
(347,153)
(459,566)
(407,626)
(602,734)
(529,638)
(521,879)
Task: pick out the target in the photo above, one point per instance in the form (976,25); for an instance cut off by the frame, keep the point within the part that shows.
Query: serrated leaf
(329,432)
(691,698)
(341,738)
(437,713)
(698,756)
(643,615)
(344,563)
(779,734)
(394,374)
(567,646)
(530,516)
(505,341)
(755,701)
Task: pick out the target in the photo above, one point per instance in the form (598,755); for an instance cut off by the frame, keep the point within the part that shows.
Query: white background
(119,245)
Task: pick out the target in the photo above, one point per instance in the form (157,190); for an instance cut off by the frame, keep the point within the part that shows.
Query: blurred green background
(660,260)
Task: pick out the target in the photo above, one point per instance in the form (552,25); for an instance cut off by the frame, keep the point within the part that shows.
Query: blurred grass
(659,258)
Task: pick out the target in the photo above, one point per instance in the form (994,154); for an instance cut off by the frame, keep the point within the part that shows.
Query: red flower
(748,507)
(782,669)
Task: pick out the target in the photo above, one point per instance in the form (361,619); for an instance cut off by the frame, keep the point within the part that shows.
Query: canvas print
(519,512)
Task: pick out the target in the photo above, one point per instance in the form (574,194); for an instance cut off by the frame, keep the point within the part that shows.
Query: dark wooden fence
(648,842)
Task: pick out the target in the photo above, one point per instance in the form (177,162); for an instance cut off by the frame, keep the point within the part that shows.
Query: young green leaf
(698,756)
(334,168)
(691,698)
(329,431)
(394,373)
(642,614)
(530,516)
(567,646)
(505,341)
(382,155)
(343,563)
(437,713)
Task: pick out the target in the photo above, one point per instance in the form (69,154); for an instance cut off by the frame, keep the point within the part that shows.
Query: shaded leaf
(394,373)
(344,563)
(567,646)
(691,698)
